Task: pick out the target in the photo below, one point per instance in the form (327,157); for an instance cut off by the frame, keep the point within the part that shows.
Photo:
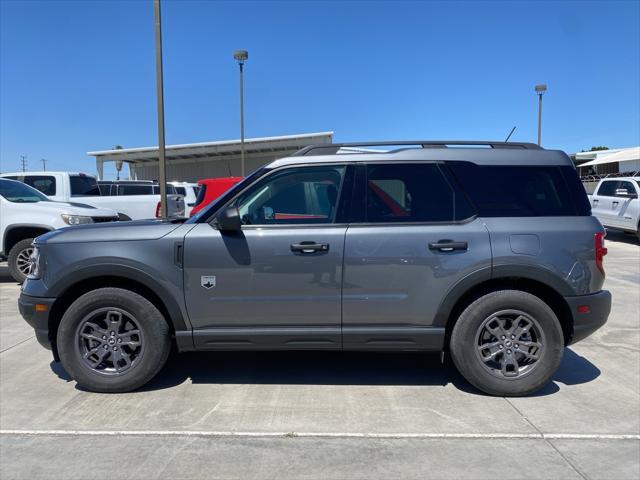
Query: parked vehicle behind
(26,213)
(487,252)
(210,189)
(131,202)
(616,203)
(190,193)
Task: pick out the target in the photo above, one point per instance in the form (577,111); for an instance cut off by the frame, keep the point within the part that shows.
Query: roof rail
(332,148)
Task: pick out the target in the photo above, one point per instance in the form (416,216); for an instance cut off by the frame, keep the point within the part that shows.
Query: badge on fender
(208,282)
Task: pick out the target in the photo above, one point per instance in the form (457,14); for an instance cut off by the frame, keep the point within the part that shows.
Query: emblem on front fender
(208,282)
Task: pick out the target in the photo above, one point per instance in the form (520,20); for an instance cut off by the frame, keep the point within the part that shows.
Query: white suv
(26,213)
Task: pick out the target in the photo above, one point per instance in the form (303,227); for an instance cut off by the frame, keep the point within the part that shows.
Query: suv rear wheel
(113,340)
(507,343)
(19,260)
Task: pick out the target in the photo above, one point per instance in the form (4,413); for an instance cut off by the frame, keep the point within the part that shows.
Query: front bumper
(584,324)
(38,318)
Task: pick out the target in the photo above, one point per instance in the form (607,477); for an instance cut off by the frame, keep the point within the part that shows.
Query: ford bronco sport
(485,250)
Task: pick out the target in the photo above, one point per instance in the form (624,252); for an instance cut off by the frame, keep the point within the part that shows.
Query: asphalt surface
(329,415)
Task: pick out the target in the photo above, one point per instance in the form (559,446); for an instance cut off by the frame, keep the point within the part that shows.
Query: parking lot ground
(329,415)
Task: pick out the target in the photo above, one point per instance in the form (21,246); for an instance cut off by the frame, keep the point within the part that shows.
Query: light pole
(241,56)
(540,89)
(160,101)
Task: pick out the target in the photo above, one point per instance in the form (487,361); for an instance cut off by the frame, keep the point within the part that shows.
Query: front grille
(104,219)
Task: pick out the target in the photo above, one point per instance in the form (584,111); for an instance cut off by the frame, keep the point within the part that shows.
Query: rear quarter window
(522,191)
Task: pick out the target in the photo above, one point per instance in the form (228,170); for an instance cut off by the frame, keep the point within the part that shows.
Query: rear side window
(608,188)
(124,189)
(45,183)
(181,191)
(83,186)
(408,193)
(520,191)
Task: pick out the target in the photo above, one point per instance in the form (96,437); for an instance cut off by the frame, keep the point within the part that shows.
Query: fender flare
(497,272)
(127,272)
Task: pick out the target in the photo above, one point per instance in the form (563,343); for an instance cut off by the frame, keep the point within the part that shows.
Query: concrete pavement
(330,415)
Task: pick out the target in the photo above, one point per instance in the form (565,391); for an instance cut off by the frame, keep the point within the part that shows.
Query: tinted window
(44,183)
(20,193)
(516,191)
(407,193)
(171,190)
(181,191)
(628,186)
(293,196)
(124,189)
(608,188)
(202,190)
(83,186)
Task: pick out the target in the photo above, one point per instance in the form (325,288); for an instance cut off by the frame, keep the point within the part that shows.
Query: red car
(210,189)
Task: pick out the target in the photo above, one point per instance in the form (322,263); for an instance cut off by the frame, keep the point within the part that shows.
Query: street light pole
(540,89)
(160,101)
(241,56)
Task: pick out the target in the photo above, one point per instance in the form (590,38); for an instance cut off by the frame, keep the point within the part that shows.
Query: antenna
(510,133)
(44,164)
(23,161)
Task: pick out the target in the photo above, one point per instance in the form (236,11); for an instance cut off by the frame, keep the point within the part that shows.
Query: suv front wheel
(507,343)
(113,340)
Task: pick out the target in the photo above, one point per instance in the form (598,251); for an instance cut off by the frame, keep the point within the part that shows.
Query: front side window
(302,195)
(608,188)
(408,193)
(43,183)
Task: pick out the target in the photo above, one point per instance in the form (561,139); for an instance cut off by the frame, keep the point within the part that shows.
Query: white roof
(194,150)
(620,155)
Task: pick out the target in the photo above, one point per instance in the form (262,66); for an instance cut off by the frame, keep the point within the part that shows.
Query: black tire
(479,321)
(16,259)
(136,311)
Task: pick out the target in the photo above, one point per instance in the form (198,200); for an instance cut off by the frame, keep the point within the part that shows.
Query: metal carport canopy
(626,155)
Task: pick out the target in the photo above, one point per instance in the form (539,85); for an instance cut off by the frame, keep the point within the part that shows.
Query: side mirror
(229,220)
(623,192)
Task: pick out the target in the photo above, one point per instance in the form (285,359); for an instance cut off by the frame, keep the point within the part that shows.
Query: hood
(75,209)
(110,232)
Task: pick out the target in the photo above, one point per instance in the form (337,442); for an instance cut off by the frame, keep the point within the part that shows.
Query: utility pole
(23,161)
(160,100)
(44,164)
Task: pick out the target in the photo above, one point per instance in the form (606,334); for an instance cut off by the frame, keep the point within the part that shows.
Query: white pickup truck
(616,203)
(26,213)
(80,188)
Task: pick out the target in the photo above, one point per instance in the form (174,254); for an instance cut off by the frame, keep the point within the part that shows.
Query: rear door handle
(309,247)
(448,245)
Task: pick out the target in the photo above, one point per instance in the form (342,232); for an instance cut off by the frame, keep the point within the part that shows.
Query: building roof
(212,149)
(609,156)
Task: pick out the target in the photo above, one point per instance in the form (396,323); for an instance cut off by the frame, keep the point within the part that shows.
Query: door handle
(615,203)
(309,247)
(595,200)
(448,245)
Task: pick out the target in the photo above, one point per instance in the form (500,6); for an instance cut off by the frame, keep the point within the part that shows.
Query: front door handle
(448,245)
(309,247)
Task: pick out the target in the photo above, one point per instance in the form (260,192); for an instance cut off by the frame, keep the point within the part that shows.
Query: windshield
(83,186)
(20,193)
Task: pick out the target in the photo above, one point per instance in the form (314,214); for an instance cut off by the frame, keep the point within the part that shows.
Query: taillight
(600,250)
(159,210)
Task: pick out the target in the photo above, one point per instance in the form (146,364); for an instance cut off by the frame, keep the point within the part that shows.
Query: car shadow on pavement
(335,368)
(4,275)
(621,237)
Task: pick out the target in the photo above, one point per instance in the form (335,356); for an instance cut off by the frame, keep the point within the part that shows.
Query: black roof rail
(332,148)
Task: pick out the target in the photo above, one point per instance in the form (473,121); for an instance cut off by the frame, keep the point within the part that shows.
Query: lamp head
(540,89)
(241,55)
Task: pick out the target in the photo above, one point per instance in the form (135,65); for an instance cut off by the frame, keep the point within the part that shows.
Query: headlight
(76,219)
(35,269)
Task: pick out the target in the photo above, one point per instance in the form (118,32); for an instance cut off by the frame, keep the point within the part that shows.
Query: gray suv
(485,250)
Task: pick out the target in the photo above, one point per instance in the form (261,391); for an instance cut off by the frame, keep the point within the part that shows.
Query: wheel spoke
(101,353)
(518,328)
(96,328)
(496,331)
(114,319)
(510,367)
(116,356)
(493,350)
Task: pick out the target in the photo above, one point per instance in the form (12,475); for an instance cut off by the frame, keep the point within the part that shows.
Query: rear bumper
(584,324)
(37,318)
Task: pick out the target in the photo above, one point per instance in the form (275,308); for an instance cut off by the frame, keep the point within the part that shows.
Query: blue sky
(80,75)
